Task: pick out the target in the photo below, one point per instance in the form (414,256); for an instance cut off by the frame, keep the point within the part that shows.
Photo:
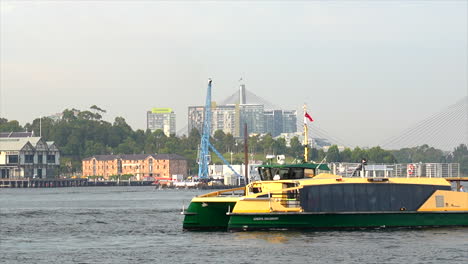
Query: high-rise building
(161,118)
(273,122)
(231,117)
(280,121)
(253,116)
(289,121)
(196,116)
(223,117)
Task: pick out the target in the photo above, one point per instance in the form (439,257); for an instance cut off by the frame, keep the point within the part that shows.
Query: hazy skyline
(367,70)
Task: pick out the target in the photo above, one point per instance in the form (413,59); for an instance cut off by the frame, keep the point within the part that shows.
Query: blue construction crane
(204,154)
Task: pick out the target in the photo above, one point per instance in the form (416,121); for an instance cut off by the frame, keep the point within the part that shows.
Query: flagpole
(306,140)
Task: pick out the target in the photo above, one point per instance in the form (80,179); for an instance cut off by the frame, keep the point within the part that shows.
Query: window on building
(40,159)
(119,166)
(12,159)
(50,158)
(28,158)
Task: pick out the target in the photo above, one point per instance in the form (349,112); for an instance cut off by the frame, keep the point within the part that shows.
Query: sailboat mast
(306,139)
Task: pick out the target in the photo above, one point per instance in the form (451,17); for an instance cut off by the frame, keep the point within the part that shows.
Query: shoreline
(62,183)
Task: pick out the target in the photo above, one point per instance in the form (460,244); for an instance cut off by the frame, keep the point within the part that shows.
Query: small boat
(307,196)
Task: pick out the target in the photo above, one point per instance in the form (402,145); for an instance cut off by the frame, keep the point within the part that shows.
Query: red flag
(308,117)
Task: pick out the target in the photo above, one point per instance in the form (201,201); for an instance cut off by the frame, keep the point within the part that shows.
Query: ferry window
(265,174)
(297,173)
(309,173)
(282,172)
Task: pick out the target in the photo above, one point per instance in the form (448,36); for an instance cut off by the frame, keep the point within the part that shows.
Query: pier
(42,183)
(56,183)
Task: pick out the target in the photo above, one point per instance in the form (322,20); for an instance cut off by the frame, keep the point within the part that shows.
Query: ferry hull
(272,221)
(207,216)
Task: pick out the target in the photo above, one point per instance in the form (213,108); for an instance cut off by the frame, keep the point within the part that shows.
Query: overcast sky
(366,69)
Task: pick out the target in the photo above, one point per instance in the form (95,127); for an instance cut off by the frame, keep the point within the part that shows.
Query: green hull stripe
(343,221)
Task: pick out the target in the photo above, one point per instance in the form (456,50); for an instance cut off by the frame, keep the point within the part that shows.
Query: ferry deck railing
(409,170)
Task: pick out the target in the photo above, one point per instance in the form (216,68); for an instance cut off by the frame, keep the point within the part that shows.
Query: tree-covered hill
(80,134)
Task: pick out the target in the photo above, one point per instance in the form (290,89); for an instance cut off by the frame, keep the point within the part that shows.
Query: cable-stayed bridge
(314,131)
(444,130)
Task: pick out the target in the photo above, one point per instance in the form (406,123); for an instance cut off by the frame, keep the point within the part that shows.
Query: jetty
(42,183)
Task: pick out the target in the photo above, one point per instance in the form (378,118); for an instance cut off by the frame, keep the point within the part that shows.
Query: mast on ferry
(306,140)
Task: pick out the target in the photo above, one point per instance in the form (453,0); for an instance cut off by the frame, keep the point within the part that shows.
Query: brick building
(139,165)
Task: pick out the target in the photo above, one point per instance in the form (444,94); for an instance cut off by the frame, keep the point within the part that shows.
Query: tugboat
(307,196)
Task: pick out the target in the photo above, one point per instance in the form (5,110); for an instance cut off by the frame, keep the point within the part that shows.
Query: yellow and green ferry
(307,196)
(302,200)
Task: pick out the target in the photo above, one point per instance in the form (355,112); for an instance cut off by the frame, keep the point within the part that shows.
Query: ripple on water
(140,225)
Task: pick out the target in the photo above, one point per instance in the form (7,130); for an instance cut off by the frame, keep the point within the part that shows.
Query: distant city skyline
(367,70)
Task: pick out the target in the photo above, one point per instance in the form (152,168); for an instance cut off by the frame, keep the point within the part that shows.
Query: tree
(266,143)
(68,115)
(460,155)
(296,148)
(98,109)
(333,154)
(127,147)
(41,126)
(378,155)
(358,154)
(9,126)
(346,155)
(279,146)
(219,140)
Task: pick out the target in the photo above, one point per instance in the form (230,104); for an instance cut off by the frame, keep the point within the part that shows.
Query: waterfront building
(163,119)
(223,172)
(28,157)
(139,165)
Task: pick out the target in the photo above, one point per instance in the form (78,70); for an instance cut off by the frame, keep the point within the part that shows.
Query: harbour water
(143,225)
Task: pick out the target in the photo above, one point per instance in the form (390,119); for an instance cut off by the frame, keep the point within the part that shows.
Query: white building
(163,119)
(28,157)
(223,172)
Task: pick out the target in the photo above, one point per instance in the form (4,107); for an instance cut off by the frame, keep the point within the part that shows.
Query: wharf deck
(41,183)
